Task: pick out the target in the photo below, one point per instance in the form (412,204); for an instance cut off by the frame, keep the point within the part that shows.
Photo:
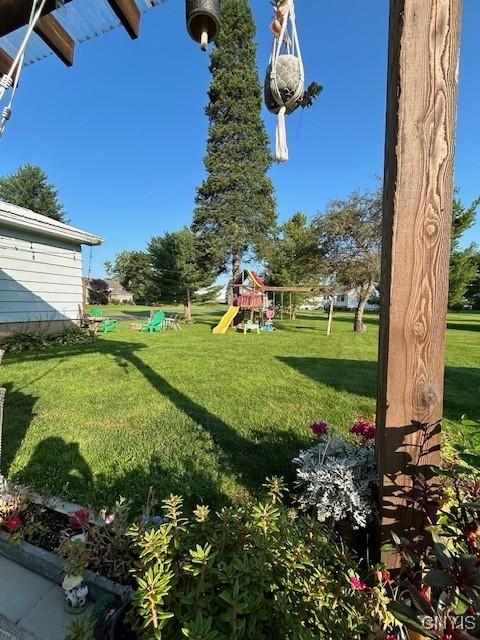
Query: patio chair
(108,325)
(155,323)
(96,313)
(172,322)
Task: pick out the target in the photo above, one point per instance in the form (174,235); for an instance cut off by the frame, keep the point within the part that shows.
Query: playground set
(254,304)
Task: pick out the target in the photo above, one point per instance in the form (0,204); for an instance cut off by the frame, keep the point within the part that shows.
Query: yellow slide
(226,321)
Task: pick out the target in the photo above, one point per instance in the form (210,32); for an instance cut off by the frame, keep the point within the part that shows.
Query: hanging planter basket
(288,75)
(284,87)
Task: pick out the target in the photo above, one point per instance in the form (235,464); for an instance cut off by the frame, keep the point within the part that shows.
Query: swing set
(254,300)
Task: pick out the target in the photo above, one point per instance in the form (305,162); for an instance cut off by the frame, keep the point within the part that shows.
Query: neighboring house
(40,271)
(115,291)
(342,300)
(348,300)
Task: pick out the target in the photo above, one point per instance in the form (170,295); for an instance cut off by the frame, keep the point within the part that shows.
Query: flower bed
(45,536)
(277,561)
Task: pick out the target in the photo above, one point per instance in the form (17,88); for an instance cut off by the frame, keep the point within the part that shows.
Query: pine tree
(294,259)
(28,187)
(235,204)
(177,268)
(463,264)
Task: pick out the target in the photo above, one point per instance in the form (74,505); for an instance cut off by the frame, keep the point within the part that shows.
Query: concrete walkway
(31,607)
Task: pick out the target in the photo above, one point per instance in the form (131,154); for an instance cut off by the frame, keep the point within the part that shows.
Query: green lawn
(208,416)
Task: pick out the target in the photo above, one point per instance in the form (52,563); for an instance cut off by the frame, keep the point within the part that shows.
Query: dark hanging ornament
(203,20)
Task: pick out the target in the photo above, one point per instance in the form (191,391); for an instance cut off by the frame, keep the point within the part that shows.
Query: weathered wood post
(419,157)
(2,402)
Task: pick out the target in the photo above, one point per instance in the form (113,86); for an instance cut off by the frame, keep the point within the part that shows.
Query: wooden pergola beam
(295,289)
(16,13)
(6,62)
(57,38)
(129,15)
(418,191)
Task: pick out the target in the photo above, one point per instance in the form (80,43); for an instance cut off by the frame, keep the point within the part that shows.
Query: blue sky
(122,133)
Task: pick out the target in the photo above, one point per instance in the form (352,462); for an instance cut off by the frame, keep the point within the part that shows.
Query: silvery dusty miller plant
(338,479)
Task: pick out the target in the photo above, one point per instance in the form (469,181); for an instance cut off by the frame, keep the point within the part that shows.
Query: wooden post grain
(419,157)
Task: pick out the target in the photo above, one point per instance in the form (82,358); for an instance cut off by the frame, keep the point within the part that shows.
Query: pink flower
(13,523)
(319,428)
(79,519)
(357,584)
(365,429)
(110,518)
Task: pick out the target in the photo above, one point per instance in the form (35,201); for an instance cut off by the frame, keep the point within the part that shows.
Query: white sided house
(40,271)
(348,300)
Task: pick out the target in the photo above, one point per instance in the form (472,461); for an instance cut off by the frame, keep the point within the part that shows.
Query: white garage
(40,271)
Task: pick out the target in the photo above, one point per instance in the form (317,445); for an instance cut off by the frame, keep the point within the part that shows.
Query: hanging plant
(285,79)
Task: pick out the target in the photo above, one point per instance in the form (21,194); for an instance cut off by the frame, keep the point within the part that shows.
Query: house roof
(20,218)
(116,288)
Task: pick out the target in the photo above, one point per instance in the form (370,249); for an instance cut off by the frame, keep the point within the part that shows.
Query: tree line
(235,215)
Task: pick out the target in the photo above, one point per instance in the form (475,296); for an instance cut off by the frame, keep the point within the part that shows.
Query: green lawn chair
(96,313)
(155,323)
(108,325)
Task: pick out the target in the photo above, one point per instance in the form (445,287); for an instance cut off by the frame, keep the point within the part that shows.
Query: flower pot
(76,593)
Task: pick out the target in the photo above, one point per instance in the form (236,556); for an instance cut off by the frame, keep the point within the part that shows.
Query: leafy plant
(13,501)
(81,629)
(25,341)
(338,478)
(439,585)
(31,341)
(257,570)
(71,336)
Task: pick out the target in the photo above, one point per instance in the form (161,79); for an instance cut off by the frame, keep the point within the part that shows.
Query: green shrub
(255,571)
(25,341)
(71,336)
(29,341)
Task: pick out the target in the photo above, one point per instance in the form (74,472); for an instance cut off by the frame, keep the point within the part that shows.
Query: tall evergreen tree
(178,271)
(29,187)
(463,263)
(235,204)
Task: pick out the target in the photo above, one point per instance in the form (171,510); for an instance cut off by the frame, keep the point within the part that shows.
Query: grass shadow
(17,415)
(247,459)
(359,377)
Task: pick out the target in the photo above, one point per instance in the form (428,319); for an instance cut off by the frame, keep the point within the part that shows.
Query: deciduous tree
(349,235)
(133,270)
(178,268)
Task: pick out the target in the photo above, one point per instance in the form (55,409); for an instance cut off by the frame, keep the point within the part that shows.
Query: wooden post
(421,115)
(2,401)
(330,317)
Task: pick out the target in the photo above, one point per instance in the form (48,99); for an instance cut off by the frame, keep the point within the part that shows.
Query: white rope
(288,42)
(11,79)
(281,148)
